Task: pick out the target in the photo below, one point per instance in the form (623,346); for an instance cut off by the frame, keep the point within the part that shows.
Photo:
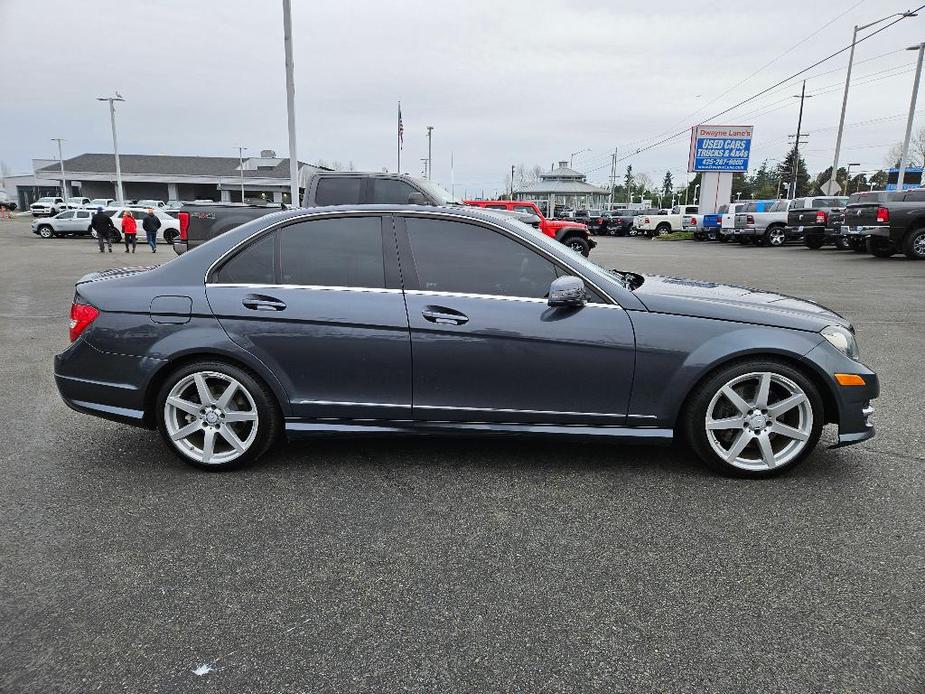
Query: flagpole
(398,137)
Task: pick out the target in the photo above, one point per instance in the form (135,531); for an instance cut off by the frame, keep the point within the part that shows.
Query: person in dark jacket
(104,228)
(129,229)
(151,224)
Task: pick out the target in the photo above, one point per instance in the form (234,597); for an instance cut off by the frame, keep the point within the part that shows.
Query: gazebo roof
(562,172)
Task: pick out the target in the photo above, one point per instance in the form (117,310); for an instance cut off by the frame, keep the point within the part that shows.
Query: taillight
(184,224)
(749,219)
(820,217)
(883,215)
(693,221)
(81,316)
(647,221)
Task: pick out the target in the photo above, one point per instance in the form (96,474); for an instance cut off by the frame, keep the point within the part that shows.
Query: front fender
(673,353)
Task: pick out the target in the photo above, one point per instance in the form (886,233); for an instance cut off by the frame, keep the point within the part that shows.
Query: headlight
(842,340)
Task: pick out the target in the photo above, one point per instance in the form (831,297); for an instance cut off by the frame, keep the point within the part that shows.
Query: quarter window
(466,258)
(253,265)
(344,252)
(338,190)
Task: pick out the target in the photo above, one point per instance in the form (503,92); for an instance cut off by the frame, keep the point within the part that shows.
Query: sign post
(717,152)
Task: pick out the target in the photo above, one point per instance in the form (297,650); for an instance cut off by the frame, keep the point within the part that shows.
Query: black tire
(46,232)
(578,244)
(170,236)
(692,419)
(663,229)
(841,243)
(813,243)
(915,245)
(269,419)
(880,248)
(723,238)
(776,236)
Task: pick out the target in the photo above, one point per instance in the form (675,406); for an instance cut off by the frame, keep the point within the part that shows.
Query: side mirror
(567,291)
(417,199)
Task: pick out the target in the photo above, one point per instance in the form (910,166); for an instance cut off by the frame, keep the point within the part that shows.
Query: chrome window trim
(313,287)
(499,297)
(321,214)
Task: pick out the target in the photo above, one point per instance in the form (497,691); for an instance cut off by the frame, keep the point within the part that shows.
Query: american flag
(401,127)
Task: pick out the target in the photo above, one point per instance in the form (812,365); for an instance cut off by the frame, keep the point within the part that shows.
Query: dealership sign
(720,148)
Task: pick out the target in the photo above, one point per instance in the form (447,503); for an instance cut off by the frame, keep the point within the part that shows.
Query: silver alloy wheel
(776,237)
(759,421)
(46,232)
(211,417)
(918,246)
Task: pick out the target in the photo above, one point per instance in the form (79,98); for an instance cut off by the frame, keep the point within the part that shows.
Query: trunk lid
(114,273)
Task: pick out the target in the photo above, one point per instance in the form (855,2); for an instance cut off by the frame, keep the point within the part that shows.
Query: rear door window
(83,215)
(339,190)
(344,252)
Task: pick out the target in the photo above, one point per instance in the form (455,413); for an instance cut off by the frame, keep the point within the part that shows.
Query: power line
(768,89)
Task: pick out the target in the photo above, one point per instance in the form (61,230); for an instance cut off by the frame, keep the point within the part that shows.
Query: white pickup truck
(665,222)
(728,224)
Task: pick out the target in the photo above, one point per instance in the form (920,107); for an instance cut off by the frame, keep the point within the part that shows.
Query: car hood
(728,302)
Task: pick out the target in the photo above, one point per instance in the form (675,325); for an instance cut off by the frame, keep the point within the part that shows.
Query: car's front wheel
(46,232)
(216,416)
(754,418)
(579,245)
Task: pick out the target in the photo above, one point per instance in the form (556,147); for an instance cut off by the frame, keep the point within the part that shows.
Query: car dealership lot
(471,564)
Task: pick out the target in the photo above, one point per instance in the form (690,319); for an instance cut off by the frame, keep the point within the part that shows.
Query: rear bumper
(85,380)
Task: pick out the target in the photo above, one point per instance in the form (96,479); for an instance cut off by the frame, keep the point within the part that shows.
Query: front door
(312,301)
(486,346)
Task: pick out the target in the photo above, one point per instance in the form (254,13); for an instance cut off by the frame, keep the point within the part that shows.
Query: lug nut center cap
(757,422)
(211,417)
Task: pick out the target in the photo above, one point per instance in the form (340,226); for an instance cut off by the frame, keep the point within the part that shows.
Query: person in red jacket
(129,229)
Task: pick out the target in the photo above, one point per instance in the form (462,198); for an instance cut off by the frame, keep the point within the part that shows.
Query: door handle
(256,302)
(444,316)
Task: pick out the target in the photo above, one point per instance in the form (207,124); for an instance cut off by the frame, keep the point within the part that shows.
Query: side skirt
(298,428)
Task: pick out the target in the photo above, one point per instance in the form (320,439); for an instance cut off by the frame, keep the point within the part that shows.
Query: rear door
(82,222)
(486,346)
(319,302)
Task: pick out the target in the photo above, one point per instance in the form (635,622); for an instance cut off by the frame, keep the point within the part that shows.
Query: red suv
(572,234)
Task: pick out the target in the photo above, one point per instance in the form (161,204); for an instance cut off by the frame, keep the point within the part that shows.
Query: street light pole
(241,159)
(430,159)
(290,105)
(120,196)
(844,101)
(64,194)
(915,92)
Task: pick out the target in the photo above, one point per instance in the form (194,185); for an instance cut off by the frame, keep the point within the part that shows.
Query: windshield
(45,200)
(442,196)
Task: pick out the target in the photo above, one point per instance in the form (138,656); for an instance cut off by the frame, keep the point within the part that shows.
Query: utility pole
(430,158)
(512,182)
(241,159)
(64,194)
(915,92)
(452,177)
(613,178)
(844,102)
(290,105)
(796,150)
(120,196)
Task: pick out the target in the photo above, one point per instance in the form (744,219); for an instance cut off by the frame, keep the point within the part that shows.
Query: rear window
(723,209)
(819,203)
(338,190)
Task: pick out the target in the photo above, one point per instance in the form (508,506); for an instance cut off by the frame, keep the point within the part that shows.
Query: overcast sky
(515,82)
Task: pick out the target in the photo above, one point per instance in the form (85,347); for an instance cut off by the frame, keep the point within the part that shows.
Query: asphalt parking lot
(461,565)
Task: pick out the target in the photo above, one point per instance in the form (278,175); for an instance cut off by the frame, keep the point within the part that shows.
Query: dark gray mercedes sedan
(414,320)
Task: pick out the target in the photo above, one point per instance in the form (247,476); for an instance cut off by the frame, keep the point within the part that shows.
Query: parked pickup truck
(710,225)
(891,225)
(201,221)
(768,228)
(573,234)
(728,228)
(808,218)
(853,237)
(692,223)
(665,222)
(620,223)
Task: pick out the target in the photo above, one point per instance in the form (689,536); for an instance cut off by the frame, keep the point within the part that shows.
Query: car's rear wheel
(776,236)
(579,245)
(170,235)
(880,248)
(915,245)
(754,418)
(46,232)
(663,229)
(216,416)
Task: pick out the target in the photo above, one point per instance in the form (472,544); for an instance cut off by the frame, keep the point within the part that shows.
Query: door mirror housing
(567,291)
